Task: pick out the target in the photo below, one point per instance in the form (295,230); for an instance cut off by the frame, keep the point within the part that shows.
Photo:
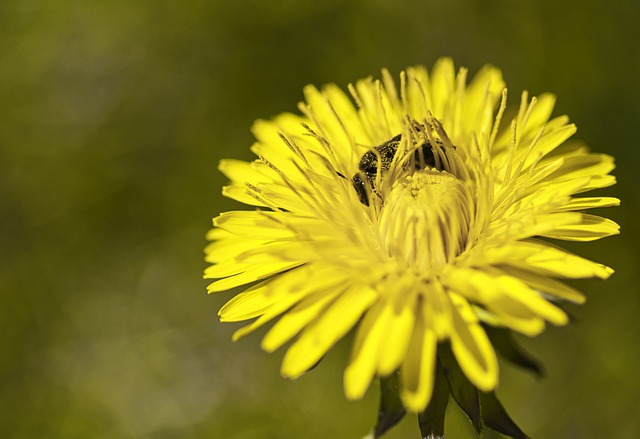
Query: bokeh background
(113,117)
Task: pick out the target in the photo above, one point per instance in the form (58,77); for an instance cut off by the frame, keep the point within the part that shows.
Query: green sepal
(463,392)
(496,417)
(391,410)
(431,421)
(505,345)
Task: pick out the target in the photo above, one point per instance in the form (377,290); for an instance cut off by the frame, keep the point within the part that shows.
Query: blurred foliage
(114,116)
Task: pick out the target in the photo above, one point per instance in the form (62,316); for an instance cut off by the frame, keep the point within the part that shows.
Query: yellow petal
(443,78)
(217,233)
(474,285)
(520,292)
(241,194)
(288,290)
(437,308)
(532,115)
(418,368)
(587,165)
(278,151)
(582,203)
(253,273)
(327,329)
(542,258)
(522,225)
(256,225)
(362,367)
(241,172)
(297,318)
(598,182)
(347,112)
(247,305)
(500,309)
(276,309)
(592,227)
(376,111)
(472,347)
(398,332)
(514,315)
(549,141)
(541,112)
(338,122)
(546,285)
(416,97)
(481,97)
(229,249)
(268,133)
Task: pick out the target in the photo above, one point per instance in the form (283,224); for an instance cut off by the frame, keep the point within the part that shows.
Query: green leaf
(431,421)
(497,418)
(391,410)
(504,343)
(464,393)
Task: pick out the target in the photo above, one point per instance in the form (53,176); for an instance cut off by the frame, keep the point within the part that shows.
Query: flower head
(417,215)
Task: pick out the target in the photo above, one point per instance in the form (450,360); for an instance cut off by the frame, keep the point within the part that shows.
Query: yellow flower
(414,214)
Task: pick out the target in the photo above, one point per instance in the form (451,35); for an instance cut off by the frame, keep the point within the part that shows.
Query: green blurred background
(113,117)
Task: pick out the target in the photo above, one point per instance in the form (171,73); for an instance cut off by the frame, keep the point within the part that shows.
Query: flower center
(425,219)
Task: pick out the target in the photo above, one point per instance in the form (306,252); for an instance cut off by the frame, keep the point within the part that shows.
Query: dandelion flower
(419,216)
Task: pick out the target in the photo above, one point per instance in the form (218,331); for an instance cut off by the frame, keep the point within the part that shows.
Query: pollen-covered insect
(382,156)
